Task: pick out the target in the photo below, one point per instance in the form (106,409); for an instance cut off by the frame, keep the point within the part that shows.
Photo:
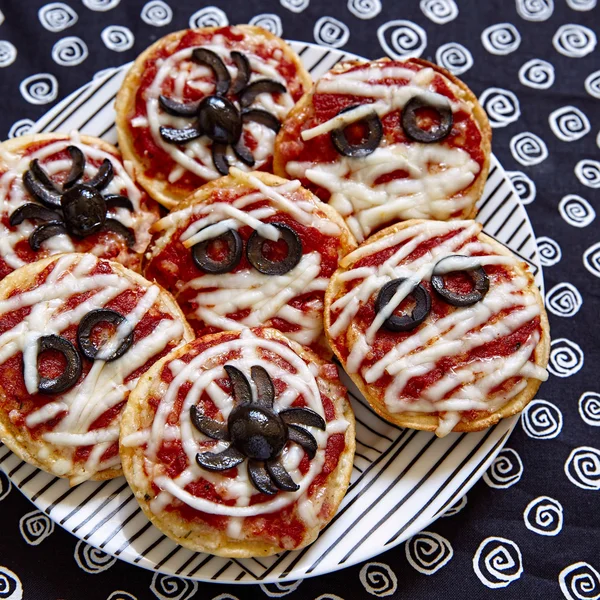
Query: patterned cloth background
(531,527)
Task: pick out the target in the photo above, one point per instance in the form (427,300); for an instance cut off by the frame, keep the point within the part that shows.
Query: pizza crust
(199,536)
(430,422)
(18,440)
(304,110)
(163,192)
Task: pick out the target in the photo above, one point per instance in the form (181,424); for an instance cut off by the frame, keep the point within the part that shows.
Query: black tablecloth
(531,528)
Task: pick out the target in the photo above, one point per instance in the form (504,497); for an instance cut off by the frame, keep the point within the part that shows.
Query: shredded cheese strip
(438,175)
(296,378)
(13,194)
(105,386)
(504,309)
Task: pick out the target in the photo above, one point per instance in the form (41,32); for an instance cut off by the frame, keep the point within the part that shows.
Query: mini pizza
(198,101)
(69,193)
(250,249)
(76,333)
(386,141)
(239,444)
(440,326)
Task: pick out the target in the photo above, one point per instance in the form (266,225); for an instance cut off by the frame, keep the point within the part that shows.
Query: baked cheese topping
(460,359)
(198,378)
(55,160)
(79,428)
(244,297)
(401,179)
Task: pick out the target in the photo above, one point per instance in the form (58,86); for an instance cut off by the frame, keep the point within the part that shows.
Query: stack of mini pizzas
(191,350)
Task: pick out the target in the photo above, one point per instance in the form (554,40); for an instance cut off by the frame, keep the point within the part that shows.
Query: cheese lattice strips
(74,433)
(227,519)
(244,297)
(464,367)
(402,179)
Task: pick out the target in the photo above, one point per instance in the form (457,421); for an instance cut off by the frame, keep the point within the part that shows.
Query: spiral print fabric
(498,562)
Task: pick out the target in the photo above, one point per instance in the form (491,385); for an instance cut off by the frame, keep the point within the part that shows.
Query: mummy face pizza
(72,193)
(199,101)
(239,444)
(439,325)
(250,249)
(76,333)
(388,141)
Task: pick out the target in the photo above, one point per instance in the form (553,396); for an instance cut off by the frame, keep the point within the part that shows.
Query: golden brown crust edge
(431,422)
(10,435)
(125,103)
(303,105)
(211,541)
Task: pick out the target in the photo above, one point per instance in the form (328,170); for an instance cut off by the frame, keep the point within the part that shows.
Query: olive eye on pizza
(440,326)
(198,101)
(76,333)
(386,141)
(69,193)
(250,249)
(239,444)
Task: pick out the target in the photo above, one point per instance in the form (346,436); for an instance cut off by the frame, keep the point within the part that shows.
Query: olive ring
(361,149)
(254,251)
(411,126)
(68,378)
(84,331)
(405,322)
(479,277)
(234,253)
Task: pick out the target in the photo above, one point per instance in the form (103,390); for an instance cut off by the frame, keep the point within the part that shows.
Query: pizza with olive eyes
(200,100)
(76,333)
(250,249)
(386,141)
(239,444)
(69,193)
(440,326)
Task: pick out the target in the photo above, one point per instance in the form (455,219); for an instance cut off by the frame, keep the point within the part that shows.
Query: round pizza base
(163,192)
(22,444)
(303,110)
(430,422)
(200,537)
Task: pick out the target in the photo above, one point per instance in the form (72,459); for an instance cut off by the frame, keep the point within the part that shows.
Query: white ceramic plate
(402,479)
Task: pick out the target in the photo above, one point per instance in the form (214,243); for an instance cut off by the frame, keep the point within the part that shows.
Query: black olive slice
(178,109)
(243,72)
(214,62)
(114,226)
(234,253)
(243,153)
(77,169)
(260,478)
(87,324)
(103,177)
(42,176)
(48,197)
(303,416)
(427,136)
(118,201)
(464,264)
(44,232)
(263,117)
(405,322)
(84,210)
(172,135)
(303,438)
(219,157)
(280,477)
(210,427)
(254,251)
(242,393)
(265,392)
(220,462)
(68,378)
(33,212)
(220,120)
(261,86)
(364,148)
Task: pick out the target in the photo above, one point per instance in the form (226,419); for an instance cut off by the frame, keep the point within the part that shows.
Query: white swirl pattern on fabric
(268,21)
(169,587)
(10,585)
(501,39)
(566,357)
(537,74)
(542,420)
(41,88)
(57,16)
(20,127)
(580,581)
(296,6)
(454,57)
(364,9)
(69,51)
(592,84)
(331,32)
(402,39)
(117,38)
(588,172)
(91,560)
(589,409)
(35,527)
(581,5)
(5,485)
(439,11)
(501,106)
(591,259)
(210,16)
(505,471)
(378,579)
(121,595)
(564,300)
(569,123)
(428,552)
(156,13)
(101,5)
(535,10)
(8,53)
(583,468)
(278,590)
(544,515)
(549,251)
(576,211)
(524,186)
(498,562)
(574,40)
(528,149)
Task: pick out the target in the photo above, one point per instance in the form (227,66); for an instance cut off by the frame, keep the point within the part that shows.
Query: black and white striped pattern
(387,502)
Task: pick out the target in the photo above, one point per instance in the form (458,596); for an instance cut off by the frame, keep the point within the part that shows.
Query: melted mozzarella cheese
(105,385)
(504,309)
